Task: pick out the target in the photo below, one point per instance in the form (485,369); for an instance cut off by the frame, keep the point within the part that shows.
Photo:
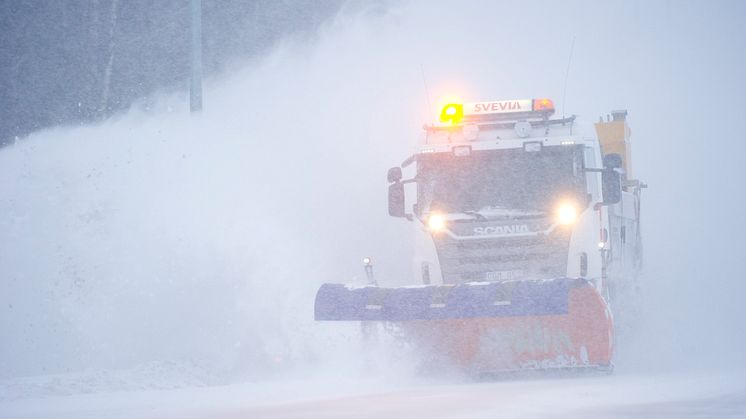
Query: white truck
(532,228)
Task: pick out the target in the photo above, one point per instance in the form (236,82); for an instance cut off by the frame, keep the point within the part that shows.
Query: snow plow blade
(487,326)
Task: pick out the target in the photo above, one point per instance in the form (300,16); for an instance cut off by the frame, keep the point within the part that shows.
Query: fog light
(462,151)
(532,147)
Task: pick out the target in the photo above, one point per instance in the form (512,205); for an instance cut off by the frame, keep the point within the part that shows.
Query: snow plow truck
(533,233)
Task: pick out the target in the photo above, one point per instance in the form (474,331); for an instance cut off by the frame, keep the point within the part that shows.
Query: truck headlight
(567,213)
(436,222)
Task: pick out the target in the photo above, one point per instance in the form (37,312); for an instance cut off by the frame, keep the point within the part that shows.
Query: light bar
(455,113)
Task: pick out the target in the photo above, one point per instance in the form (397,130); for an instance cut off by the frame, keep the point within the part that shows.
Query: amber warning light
(543,105)
(452,113)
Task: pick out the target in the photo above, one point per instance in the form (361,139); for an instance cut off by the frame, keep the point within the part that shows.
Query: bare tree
(106,90)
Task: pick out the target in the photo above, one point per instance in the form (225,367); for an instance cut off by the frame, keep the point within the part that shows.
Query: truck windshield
(508,179)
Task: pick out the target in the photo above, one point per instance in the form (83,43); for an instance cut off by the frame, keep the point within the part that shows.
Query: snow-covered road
(621,395)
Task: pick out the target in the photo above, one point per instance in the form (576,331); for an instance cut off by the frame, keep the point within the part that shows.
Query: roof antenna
(567,73)
(427,92)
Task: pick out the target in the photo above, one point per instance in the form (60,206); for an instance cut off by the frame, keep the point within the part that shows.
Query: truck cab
(503,192)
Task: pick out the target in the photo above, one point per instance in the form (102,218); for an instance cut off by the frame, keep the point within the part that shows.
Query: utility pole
(195,86)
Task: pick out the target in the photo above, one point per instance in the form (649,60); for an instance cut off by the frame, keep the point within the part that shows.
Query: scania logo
(508,229)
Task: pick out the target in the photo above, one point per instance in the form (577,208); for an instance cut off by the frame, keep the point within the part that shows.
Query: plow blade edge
(487,326)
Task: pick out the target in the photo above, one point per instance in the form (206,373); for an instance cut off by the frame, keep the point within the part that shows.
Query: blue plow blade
(339,302)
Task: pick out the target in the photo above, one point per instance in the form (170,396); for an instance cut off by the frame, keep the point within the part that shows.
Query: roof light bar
(455,113)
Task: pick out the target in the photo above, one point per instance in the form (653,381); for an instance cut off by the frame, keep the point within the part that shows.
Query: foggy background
(155,239)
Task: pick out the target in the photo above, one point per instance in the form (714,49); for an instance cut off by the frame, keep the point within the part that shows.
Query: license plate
(504,275)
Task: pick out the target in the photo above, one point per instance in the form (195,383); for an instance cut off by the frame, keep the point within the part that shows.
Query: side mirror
(394,174)
(611,185)
(396,198)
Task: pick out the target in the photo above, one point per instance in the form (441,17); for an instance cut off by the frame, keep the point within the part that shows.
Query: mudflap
(486,327)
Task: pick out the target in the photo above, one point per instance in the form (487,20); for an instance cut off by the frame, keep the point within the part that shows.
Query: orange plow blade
(583,337)
(488,327)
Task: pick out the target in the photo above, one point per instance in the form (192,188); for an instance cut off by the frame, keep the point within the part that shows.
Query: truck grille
(535,257)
